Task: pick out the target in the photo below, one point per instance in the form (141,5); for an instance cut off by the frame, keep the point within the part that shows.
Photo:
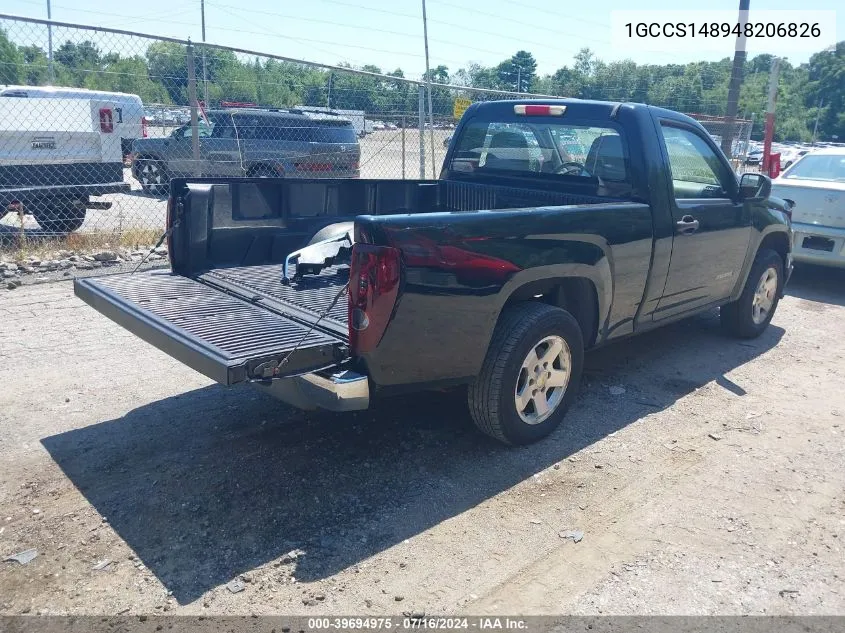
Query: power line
(379,30)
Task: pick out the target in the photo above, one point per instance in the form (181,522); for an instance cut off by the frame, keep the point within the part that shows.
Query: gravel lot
(714,484)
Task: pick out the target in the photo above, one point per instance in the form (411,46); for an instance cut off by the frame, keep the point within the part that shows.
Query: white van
(55,154)
(129,122)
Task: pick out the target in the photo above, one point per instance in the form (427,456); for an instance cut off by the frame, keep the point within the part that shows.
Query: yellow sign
(461,105)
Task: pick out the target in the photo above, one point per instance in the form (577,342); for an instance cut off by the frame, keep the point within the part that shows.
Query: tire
(153,176)
(493,396)
(331,230)
(750,315)
(60,217)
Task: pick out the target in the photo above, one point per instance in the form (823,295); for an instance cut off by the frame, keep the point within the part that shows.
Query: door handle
(686,225)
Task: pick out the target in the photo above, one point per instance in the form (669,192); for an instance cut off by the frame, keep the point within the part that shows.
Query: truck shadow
(214,482)
(820,284)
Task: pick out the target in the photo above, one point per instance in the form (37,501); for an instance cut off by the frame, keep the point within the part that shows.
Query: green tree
(826,86)
(11,60)
(517,73)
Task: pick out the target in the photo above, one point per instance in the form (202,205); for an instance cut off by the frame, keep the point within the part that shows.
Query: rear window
(543,148)
(294,130)
(332,133)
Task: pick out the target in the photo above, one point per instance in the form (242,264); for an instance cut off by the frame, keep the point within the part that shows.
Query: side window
(222,127)
(245,126)
(697,171)
(280,130)
(203,129)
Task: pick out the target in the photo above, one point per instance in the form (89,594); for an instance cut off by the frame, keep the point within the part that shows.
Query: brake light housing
(533,109)
(374,277)
(106,121)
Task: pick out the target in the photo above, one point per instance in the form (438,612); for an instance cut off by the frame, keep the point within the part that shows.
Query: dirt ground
(714,484)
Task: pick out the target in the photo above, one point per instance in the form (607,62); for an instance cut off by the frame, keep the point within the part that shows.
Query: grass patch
(24,245)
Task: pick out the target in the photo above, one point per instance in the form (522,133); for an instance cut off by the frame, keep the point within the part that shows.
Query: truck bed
(224,311)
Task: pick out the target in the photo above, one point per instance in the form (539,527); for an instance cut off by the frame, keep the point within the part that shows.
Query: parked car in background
(128,122)
(755,156)
(791,155)
(816,184)
(237,142)
(55,155)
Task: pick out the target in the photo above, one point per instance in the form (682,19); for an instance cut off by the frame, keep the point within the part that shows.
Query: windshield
(826,167)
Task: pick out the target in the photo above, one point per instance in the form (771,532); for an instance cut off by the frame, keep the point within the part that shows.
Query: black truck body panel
(469,243)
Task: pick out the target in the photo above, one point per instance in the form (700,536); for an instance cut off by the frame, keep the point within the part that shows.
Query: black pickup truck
(555,226)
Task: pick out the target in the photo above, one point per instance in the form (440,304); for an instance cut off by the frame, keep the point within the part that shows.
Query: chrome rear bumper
(333,390)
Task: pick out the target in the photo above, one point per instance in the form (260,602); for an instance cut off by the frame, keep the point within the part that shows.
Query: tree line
(810,95)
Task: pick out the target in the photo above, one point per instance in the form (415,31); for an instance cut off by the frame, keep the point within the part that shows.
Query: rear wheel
(749,315)
(60,216)
(530,374)
(153,176)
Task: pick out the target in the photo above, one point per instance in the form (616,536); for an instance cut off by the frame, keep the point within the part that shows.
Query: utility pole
(329,93)
(192,97)
(428,86)
(770,114)
(421,124)
(204,68)
(519,78)
(736,80)
(51,73)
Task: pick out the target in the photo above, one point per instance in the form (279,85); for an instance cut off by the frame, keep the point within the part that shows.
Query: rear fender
(598,273)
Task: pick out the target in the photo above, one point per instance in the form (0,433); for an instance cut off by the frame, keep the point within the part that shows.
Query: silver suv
(251,142)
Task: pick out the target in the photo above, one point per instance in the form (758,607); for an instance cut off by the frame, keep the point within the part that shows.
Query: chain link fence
(84,168)
(739,130)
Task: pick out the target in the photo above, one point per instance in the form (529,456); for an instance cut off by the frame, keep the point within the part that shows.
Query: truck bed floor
(312,295)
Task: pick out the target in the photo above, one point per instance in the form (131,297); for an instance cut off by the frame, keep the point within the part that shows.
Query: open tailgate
(228,339)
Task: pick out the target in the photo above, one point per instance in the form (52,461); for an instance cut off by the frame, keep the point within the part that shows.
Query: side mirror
(754,186)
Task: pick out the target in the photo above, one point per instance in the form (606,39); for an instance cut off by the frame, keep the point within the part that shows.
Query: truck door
(712,226)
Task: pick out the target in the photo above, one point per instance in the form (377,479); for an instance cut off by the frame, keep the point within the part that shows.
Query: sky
(389,33)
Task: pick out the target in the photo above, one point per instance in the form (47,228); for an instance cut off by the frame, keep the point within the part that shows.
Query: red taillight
(373,287)
(539,110)
(144,131)
(470,268)
(106,121)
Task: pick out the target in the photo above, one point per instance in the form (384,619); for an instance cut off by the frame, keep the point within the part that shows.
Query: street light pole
(428,86)
(50,70)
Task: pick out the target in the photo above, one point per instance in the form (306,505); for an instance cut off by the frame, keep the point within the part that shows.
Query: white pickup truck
(55,155)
